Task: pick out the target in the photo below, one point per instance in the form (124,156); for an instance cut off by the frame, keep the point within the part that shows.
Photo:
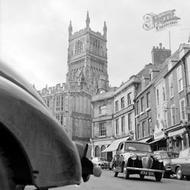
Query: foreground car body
(36,149)
(181,165)
(165,157)
(137,158)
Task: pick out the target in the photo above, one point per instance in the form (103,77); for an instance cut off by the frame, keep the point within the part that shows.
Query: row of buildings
(151,106)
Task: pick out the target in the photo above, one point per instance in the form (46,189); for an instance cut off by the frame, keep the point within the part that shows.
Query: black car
(134,157)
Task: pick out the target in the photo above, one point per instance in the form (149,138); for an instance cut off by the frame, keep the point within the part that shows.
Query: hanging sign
(160,21)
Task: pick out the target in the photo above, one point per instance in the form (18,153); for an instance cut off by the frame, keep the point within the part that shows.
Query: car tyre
(141,176)
(127,174)
(188,177)
(5,175)
(158,176)
(179,174)
(115,174)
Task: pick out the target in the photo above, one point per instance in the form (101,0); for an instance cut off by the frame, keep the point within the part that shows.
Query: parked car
(102,162)
(166,157)
(181,165)
(134,157)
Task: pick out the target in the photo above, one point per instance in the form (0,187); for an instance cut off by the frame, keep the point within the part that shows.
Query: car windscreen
(137,147)
(162,155)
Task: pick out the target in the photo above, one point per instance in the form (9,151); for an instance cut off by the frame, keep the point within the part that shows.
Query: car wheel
(188,177)
(158,176)
(5,180)
(127,174)
(115,174)
(141,176)
(179,173)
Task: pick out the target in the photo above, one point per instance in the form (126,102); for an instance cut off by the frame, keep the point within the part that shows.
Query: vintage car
(181,165)
(34,148)
(166,157)
(134,157)
(101,162)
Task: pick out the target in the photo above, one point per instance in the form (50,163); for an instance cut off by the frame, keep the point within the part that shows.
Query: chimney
(160,54)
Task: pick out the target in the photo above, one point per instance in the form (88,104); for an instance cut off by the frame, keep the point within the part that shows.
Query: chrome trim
(145,169)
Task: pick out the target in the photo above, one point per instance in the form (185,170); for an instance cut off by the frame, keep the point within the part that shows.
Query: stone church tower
(87,75)
(87,59)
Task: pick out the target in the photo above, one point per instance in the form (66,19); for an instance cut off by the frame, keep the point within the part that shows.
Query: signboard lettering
(160,21)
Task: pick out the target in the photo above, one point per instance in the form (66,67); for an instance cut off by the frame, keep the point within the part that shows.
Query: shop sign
(160,21)
(178,132)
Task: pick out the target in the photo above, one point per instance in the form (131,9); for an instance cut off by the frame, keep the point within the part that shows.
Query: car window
(137,147)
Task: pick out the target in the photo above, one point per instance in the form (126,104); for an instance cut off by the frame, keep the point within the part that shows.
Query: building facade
(176,80)
(102,124)
(113,118)
(56,99)
(145,100)
(124,110)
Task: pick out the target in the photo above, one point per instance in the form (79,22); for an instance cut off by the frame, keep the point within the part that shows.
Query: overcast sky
(34,34)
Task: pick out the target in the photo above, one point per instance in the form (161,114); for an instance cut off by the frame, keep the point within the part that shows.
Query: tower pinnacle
(87,20)
(105,30)
(70,28)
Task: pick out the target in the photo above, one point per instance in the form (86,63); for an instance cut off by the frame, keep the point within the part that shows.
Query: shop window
(97,151)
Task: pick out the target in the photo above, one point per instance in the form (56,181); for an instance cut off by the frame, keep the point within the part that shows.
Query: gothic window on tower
(58,103)
(78,47)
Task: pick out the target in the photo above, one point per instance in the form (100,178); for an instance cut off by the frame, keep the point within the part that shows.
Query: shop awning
(175,133)
(114,145)
(157,140)
(145,140)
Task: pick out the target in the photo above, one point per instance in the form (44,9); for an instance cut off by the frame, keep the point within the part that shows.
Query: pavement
(108,182)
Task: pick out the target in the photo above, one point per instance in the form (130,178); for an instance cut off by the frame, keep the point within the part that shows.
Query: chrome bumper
(145,169)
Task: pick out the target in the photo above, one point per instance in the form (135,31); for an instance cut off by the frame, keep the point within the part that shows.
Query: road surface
(108,182)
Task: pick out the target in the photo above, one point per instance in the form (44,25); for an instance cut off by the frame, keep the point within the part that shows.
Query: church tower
(87,59)
(87,75)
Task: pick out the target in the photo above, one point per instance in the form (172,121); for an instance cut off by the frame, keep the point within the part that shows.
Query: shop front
(178,139)
(160,140)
